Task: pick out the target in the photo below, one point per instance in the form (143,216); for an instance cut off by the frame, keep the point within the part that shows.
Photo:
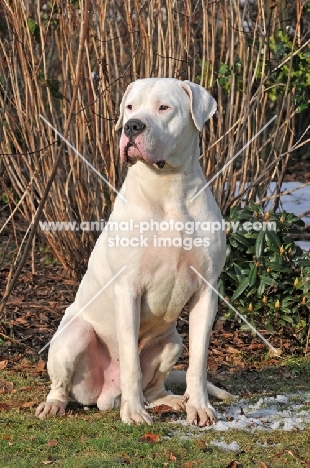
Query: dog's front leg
(203,306)
(127,309)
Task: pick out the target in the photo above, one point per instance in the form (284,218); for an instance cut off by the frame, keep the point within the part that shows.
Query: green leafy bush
(297,74)
(267,276)
(287,68)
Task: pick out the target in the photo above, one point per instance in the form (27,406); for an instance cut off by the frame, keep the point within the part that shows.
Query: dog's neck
(168,189)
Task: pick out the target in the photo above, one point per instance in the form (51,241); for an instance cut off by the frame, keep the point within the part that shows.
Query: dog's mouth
(130,161)
(130,144)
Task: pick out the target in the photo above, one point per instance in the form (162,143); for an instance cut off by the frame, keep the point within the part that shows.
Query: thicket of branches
(253,56)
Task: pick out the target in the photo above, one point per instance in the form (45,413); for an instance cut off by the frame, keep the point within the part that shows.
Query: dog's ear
(119,123)
(203,105)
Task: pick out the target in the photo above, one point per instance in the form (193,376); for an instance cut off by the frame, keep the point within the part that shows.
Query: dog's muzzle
(133,128)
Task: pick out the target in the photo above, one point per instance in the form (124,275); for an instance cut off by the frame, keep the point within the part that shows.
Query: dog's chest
(170,282)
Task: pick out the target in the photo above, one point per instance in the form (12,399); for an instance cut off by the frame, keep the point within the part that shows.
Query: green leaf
(251,235)
(272,240)
(259,244)
(253,275)
(220,286)
(232,276)
(287,300)
(228,251)
(31,25)
(302,107)
(267,280)
(242,286)
(4,198)
(241,239)
(233,242)
(275,266)
(223,69)
(261,288)
(33,28)
(269,327)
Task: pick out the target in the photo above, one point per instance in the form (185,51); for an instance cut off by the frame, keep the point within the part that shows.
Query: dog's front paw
(200,413)
(134,413)
(50,408)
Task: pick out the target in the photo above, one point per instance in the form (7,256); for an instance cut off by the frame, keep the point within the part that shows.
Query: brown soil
(298,170)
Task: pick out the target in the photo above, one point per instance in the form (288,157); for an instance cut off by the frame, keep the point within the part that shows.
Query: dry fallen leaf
(5,386)
(23,389)
(152,438)
(233,464)
(3,364)
(162,409)
(275,352)
(15,300)
(4,406)
(263,465)
(232,350)
(40,367)
(52,443)
(27,404)
(192,463)
(172,457)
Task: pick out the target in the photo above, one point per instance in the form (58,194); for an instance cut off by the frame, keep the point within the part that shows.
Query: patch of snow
(281,398)
(283,412)
(304,245)
(232,447)
(296,202)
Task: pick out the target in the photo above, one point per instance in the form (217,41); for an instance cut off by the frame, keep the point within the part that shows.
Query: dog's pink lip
(130,143)
(133,159)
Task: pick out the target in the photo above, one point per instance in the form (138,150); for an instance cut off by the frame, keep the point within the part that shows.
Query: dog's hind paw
(176,402)
(50,408)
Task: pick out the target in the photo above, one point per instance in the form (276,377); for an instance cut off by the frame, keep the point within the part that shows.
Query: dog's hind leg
(179,377)
(156,363)
(71,353)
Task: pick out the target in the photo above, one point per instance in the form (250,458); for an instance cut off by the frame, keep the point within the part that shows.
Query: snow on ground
(297,202)
(233,447)
(288,412)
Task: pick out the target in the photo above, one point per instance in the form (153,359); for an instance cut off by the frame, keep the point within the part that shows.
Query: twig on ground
(14,340)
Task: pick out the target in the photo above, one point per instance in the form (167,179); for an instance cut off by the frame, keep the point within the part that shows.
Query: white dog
(123,343)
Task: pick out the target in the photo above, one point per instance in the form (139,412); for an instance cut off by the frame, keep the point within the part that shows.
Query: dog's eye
(129,106)
(162,107)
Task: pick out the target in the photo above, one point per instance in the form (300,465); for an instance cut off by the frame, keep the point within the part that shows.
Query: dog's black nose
(133,128)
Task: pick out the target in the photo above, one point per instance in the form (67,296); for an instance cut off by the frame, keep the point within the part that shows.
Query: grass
(93,439)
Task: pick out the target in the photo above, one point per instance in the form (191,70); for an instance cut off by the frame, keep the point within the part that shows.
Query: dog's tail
(179,377)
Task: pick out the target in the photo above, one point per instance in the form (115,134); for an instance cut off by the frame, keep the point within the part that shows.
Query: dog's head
(160,117)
